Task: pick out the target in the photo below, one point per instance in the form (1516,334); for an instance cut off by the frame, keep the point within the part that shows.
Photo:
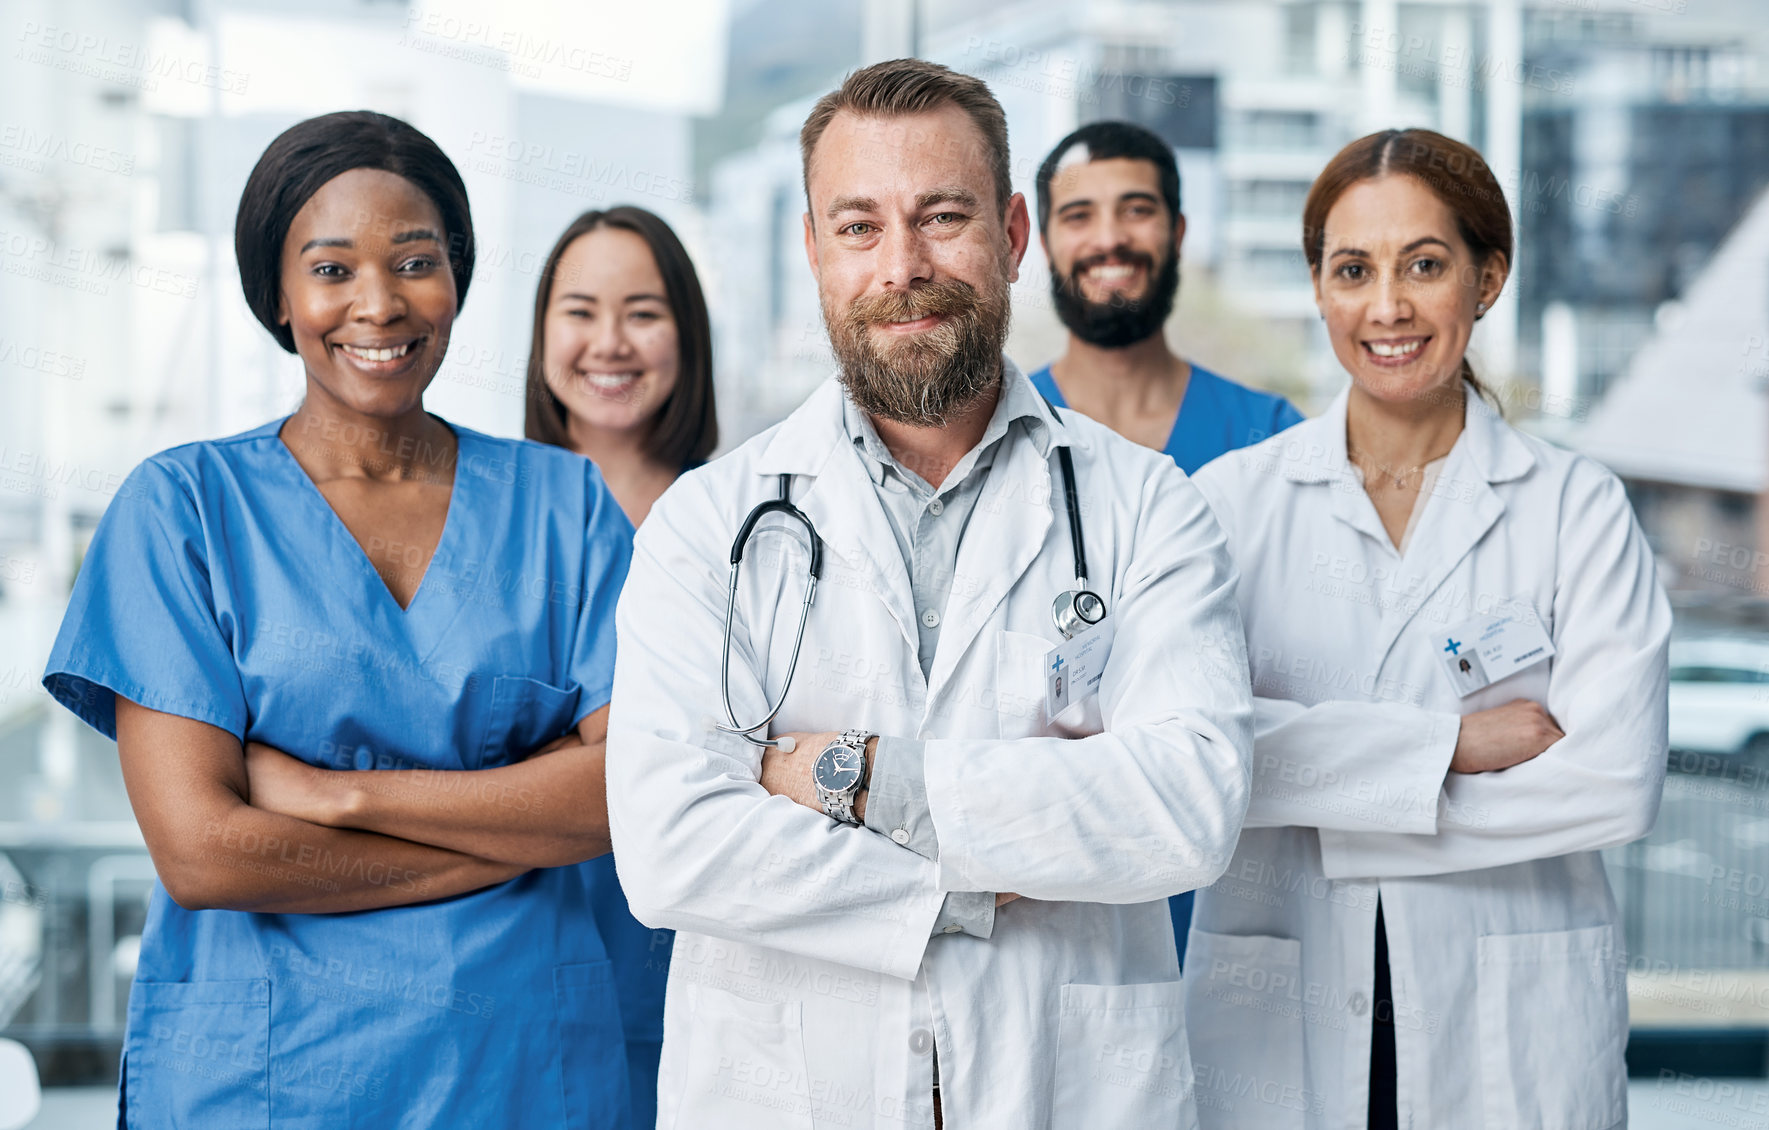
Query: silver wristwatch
(840,773)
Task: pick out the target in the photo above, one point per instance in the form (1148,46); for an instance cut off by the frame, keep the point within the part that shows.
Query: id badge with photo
(1072,669)
(1480,652)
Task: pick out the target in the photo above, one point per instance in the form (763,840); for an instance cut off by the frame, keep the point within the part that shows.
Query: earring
(1479,309)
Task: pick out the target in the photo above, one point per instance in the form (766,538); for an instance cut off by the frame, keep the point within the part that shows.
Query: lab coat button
(936,508)
(921,1041)
(930,619)
(1359,1003)
(900,836)
(952,929)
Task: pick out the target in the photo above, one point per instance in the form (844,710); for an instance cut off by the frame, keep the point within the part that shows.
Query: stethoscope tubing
(783,505)
(791,666)
(1072,503)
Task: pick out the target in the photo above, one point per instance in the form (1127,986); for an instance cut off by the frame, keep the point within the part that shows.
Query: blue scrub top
(221,586)
(1216,416)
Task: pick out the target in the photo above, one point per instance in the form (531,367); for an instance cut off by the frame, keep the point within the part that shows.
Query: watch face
(838,768)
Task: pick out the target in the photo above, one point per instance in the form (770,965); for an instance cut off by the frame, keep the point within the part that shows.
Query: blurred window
(1277,129)
(1270,199)
(1700,674)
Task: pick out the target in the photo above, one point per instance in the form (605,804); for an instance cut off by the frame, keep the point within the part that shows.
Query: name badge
(1072,669)
(1486,649)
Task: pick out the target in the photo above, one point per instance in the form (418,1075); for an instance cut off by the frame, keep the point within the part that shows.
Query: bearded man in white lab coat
(946,903)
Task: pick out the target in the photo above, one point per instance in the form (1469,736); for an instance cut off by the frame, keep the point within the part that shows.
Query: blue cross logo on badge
(1058,665)
(1454,648)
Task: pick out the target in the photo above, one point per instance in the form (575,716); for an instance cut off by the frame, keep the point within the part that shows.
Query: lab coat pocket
(197,1053)
(1019,684)
(525,715)
(1121,1057)
(1553,1013)
(592,1049)
(1243,1008)
(745,1064)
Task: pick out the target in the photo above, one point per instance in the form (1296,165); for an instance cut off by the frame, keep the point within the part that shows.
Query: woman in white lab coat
(1457,644)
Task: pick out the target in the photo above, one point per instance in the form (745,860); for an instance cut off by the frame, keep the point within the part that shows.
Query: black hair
(302,160)
(1104,141)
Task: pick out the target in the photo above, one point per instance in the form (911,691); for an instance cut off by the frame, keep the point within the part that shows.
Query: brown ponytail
(1480,389)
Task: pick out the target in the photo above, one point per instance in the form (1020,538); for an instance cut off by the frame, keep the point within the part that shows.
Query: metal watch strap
(840,806)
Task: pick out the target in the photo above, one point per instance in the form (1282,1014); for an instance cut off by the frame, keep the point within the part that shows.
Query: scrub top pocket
(198,1054)
(525,715)
(1553,1023)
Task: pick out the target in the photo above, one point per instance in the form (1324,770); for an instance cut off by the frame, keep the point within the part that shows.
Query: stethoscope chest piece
(1076,611)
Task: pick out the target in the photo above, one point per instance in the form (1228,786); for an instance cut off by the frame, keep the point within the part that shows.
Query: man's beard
(926,377)
(1117,322)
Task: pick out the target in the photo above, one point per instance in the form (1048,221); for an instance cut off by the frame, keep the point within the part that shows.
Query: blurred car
(1720,698)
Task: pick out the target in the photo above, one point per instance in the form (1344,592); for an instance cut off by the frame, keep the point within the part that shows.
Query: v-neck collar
(444,543)
(1192,372)
(1191,381)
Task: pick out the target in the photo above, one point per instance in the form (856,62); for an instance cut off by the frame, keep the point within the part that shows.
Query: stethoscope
(1074,611)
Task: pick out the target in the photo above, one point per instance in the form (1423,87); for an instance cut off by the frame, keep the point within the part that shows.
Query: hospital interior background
(1631,136)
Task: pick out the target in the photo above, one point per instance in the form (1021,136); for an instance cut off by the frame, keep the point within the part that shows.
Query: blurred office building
(1634,175)
(1684,425)
(1645,224)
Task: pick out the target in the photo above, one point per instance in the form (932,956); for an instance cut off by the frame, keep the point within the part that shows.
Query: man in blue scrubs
(1109,216)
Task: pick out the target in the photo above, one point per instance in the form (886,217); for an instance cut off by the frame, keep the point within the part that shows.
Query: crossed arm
(789,775)
(255,829)
(714,838)
(1582,771)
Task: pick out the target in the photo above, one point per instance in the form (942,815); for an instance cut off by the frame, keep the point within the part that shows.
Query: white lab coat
(1504,942)
(804,990)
